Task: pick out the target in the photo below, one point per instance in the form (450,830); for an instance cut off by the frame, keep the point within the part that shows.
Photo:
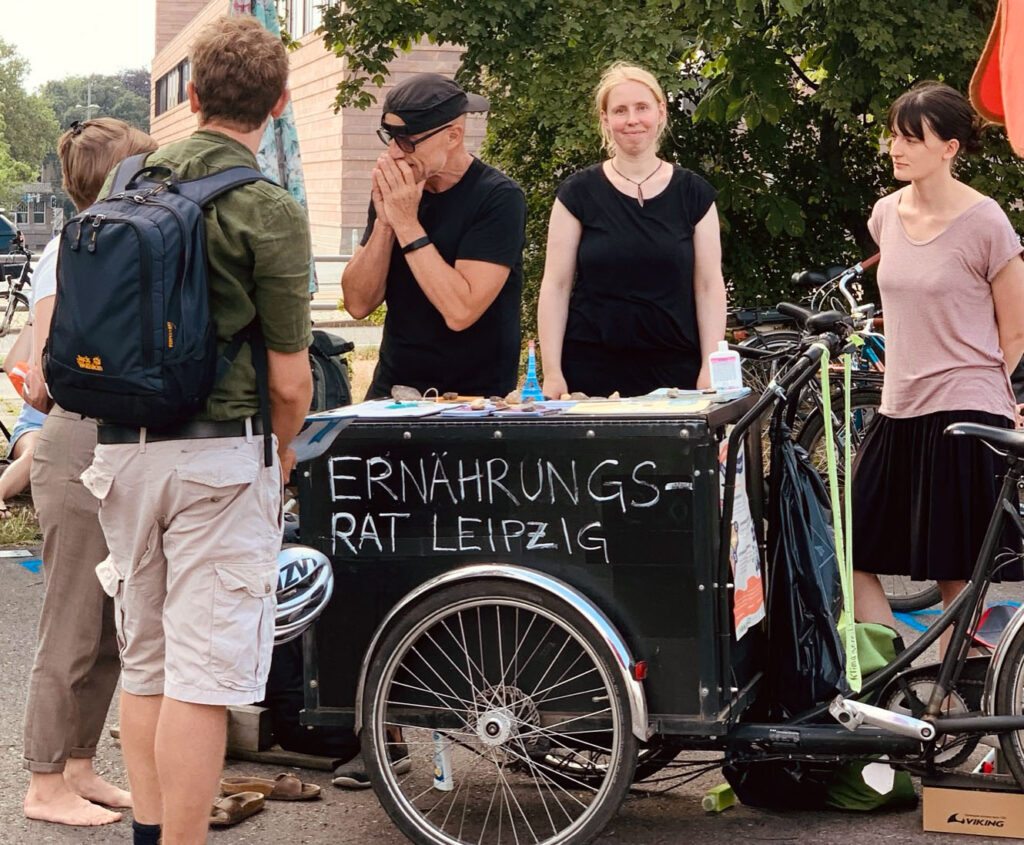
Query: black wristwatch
(416,244)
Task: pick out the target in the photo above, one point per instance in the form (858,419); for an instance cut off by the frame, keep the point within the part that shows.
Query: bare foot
(92,787)
(68,808)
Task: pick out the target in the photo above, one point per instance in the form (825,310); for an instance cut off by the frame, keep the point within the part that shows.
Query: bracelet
(416,244)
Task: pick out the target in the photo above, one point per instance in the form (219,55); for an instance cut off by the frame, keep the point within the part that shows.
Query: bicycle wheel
(906,595)
(757,375)
(1008,700)
(495,678)
(864,404)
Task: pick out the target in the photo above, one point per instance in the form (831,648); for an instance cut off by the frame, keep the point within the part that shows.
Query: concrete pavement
(347,818)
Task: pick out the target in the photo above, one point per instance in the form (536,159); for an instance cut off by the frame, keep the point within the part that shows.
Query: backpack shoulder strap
(125,170)
(206,189)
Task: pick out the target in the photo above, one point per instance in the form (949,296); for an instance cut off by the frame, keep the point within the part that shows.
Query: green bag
(849,790)
(876,646)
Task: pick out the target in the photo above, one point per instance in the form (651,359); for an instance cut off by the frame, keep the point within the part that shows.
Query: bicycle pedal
(852,714)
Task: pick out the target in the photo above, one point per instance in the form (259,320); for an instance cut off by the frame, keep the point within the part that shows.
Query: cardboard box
(979,811)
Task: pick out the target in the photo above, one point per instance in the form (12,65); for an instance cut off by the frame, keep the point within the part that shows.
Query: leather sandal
(284,787)
(232,809)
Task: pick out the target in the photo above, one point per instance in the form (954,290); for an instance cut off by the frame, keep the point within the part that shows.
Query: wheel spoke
(507,793)
(434,692)
(548,728)
(455,666)
(539,696)
(551,663)
(540,779)
(557,774)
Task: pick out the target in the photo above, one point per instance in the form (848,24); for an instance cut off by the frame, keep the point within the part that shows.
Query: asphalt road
(345,818)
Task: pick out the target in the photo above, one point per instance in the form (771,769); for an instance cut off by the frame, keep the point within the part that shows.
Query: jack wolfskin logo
(87,363)
(976,821)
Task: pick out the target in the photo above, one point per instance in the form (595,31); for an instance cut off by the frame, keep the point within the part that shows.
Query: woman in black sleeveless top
(632,297)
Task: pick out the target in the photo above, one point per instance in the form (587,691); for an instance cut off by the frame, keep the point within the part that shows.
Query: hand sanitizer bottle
(724,368)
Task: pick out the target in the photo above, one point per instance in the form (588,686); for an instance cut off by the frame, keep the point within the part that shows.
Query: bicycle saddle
(816,278)
(826,321)
(1006,440)
(809,278)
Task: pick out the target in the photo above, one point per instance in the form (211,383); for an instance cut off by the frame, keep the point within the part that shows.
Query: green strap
(842,523)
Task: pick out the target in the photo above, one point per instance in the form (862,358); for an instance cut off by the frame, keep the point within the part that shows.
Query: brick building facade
(338,150)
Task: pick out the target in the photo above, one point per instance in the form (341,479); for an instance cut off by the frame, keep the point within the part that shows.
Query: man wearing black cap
(443,247)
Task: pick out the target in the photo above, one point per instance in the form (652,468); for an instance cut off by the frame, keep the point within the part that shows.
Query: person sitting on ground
(76,666)
(24,436)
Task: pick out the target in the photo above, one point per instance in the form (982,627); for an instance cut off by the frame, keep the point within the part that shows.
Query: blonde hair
(239,70)
(615,74)
(89,151)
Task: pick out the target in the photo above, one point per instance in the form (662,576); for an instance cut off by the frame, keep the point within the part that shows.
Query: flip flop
(233,808)
(284,787)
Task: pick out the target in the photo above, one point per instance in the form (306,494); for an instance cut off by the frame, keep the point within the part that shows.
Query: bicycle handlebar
(868,263)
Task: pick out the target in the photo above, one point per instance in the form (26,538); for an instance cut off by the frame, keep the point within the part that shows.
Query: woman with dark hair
(952,285)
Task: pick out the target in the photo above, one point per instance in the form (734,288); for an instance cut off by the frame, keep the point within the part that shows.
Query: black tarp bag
(806,660)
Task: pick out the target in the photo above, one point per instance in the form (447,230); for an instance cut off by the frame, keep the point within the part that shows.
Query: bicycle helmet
(305,581)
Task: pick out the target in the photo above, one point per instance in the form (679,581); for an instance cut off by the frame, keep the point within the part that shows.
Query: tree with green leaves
(115,95)
(27,126)
(780,104)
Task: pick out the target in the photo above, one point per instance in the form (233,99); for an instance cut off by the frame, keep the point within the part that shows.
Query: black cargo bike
(537,612)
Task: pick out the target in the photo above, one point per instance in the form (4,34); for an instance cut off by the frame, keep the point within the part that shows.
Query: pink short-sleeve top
(941,339)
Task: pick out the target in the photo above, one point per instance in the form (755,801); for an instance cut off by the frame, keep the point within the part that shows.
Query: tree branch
(803,76)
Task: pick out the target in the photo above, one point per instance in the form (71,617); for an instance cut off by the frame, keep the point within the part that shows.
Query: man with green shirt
(192,515)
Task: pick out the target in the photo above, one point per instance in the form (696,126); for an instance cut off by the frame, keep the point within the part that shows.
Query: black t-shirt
(481,218)
(633,291)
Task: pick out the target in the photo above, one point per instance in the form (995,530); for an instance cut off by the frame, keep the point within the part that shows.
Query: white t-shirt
(44,277)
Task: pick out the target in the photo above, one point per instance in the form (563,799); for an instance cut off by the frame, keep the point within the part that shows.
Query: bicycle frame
(13,297)
(961,615)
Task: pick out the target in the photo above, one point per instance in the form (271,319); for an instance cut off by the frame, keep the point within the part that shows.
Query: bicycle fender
(602,626)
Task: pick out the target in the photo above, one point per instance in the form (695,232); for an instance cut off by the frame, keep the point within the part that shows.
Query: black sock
(145,834)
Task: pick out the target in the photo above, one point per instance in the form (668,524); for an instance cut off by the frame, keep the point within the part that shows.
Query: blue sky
(78,37)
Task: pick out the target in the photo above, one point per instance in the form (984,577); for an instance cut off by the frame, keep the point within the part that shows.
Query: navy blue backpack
(132,341)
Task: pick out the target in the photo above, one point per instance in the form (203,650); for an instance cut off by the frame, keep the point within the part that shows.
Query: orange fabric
(997,86)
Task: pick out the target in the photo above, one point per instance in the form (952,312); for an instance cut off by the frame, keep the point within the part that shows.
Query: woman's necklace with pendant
(639,185)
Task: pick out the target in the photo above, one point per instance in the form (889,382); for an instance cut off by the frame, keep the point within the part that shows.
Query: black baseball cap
(428,100)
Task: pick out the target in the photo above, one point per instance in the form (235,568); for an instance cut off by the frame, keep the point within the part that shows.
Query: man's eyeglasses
(404,142)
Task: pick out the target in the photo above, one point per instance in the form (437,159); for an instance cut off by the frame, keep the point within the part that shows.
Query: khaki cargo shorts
(194,529)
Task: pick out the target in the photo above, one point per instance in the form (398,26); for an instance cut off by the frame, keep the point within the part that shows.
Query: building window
(21,218)
(300,16)
(172,87)
(314,15)
(184,75)
(161,96)
(39,215)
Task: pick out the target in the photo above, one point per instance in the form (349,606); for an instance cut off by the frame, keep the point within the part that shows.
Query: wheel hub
(504,713)
(494,727)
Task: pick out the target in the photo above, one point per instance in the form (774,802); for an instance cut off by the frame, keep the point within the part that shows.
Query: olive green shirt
(258,250)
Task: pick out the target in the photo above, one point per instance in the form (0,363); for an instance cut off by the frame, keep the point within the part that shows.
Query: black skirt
(922,501)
